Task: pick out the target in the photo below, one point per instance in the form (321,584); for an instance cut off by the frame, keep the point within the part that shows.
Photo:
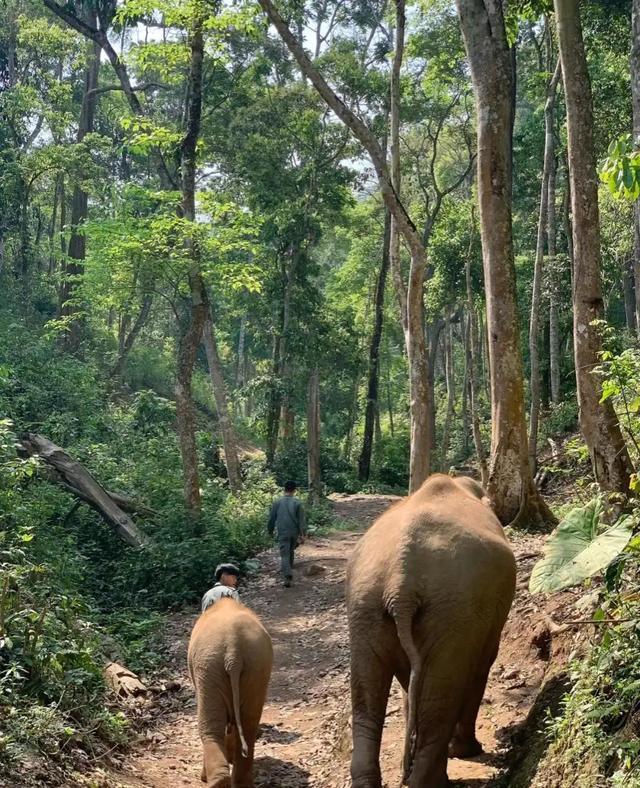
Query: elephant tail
(234,678)
(404,620)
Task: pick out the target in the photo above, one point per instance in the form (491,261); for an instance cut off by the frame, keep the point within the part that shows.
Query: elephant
(230,658)
(429,588)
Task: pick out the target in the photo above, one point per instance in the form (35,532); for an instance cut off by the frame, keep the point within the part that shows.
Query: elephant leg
(230,738)
(212,724)
(216,769)
(370,684)
(464,743)
(242,775)
(440,698)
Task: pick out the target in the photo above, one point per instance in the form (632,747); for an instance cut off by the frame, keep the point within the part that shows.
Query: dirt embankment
(306,734)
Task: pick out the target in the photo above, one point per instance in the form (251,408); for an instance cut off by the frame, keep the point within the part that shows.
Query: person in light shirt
(227,576)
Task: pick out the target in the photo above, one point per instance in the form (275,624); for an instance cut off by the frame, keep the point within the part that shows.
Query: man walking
(287,519)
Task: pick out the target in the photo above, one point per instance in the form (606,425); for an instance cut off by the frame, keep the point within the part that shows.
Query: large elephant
(230,658)
(429,588)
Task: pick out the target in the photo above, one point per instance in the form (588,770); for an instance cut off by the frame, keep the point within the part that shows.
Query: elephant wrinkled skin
(429,588)
(230,657)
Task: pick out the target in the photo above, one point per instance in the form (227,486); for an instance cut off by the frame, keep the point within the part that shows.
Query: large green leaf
(579,548)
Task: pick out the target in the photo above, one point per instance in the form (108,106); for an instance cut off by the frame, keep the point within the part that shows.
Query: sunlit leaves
(524,10)
(47,41)
(180,16)
(143,248)
(167,60)
(145,135)
(621,169)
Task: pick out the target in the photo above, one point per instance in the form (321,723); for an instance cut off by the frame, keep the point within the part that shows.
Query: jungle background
(209,284)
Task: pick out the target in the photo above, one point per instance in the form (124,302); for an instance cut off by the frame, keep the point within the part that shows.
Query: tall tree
(635,93)
(76,252)
(538,273)
(313,436)
(511,486)
(192,335)
(554,295)
(420,424)
(371,406)
(472,345)
(598,421)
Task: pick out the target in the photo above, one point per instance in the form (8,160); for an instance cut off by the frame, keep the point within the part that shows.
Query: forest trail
(306,733)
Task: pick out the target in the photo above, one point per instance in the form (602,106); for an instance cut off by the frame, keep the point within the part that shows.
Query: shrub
(51,687)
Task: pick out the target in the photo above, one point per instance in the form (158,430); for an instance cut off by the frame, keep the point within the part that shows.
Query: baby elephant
(429,587)
(230,658)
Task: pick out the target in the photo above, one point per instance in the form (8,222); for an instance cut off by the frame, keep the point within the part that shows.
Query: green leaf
(579,549)
(627,175)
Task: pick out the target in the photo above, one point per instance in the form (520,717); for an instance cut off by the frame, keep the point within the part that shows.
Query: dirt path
(306,734)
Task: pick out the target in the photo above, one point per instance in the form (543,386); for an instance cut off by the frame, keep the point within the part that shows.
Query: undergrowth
(596,739)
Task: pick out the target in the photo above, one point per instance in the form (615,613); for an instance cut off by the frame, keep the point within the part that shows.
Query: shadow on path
(275,773)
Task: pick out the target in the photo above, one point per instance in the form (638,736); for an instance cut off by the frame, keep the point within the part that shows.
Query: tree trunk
(351,416)
(628,289)
(229,439)
(377,446)
(192,336)
(57,193)
(25,235)
(389,397)
(472,344)
(287,416)
(421,394)
(465,388)
(451,393)
(483,354)
(128,339)
(364,463)
(240,368)
(201,307)
(273,410)
(598,421)
(434,329)
(635,94)
(185,411)
(536,296)
(510,487)
(554,308)
(567,219)
(73,266)
(313,437)
(411,298)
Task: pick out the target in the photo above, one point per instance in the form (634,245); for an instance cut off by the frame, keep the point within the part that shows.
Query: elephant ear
(579,548)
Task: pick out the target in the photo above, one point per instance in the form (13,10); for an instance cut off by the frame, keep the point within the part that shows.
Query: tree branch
(360,130)
(135,88)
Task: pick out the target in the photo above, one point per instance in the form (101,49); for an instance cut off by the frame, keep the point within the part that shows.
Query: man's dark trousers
(287,547)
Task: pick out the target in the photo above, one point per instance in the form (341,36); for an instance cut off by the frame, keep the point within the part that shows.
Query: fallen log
(125,502)
(123,682)
(128,504)
(75,478)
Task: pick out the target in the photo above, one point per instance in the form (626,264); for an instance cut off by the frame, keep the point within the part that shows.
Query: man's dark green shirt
(287,518)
